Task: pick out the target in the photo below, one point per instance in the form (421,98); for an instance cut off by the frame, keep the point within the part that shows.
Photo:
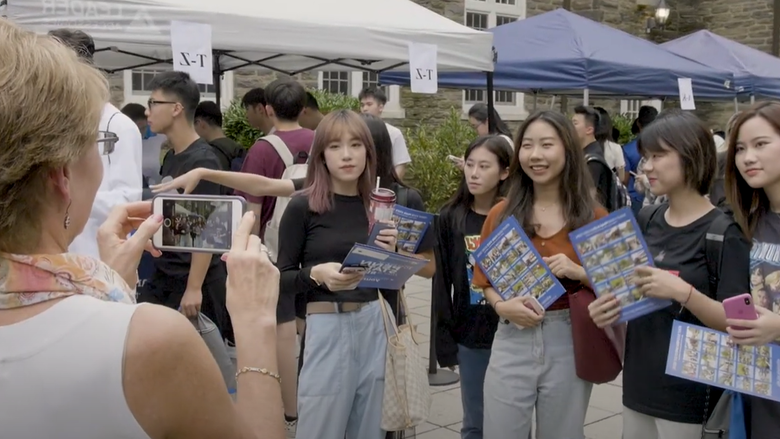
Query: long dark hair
(747,203)
(384,152)
(575,186)
(479,112)
(462,200)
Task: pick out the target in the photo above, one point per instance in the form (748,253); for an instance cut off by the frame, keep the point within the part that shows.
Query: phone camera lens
(747,301)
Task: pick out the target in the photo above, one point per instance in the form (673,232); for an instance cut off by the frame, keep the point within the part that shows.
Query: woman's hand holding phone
(188,182)
(387,237)
(605,310)
(763,330)
(520,311)
(331,276)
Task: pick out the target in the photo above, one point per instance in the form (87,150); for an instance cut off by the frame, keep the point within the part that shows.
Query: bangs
(653,138)
(343,124)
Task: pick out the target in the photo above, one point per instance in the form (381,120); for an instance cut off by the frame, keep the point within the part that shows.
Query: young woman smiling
(342,381)
(753,192)
(680,163)
(533,367)
(465,323)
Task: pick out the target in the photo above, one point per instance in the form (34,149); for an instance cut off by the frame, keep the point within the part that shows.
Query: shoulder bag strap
(281,149)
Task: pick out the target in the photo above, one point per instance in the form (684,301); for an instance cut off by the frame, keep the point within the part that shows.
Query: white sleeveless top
(61,373)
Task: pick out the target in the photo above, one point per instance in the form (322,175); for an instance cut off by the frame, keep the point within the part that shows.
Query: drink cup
(381,206)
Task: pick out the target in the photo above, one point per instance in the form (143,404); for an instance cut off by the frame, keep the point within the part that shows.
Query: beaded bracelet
(263,371)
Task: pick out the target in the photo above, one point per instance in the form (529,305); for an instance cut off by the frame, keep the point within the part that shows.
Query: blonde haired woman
(77,358)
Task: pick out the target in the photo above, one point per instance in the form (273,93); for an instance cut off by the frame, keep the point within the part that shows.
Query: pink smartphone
(740,308)
(535,306)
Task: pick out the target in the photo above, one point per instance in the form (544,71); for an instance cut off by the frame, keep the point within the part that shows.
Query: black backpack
(618,194)
(235,160)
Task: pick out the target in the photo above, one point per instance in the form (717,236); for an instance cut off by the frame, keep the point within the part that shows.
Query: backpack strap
(646,215)
(223,152)
(281,149)
(402,195)
(713,247)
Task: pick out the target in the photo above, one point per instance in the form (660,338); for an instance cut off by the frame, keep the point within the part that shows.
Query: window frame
(393,109)
(142,97)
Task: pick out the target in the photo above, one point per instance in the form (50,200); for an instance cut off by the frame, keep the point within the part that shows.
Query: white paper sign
(422,68)
(191,46)
(686,94)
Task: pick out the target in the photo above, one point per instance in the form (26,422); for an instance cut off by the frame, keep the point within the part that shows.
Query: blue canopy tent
(755,72)
(562,53)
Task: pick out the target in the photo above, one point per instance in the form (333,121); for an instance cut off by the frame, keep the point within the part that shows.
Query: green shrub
(623,124)
(430,172)
(235,126)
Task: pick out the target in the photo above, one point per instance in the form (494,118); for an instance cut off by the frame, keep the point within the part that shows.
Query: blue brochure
(609,250)
(384,269)
(412,225)
(514,267)
(706,356)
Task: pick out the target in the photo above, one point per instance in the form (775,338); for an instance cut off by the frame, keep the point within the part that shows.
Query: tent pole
(217,77)
(736,105)
(586,97)
(491,104)
(536,100)
(752,99)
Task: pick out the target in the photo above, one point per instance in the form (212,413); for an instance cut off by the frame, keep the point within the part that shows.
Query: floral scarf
(30,279)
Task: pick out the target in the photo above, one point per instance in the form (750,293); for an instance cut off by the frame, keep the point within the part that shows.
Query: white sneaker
(291,427)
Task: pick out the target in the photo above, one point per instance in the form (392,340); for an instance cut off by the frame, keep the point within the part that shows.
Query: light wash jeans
(534,367)
(342,382)
(640,426)
(472,365)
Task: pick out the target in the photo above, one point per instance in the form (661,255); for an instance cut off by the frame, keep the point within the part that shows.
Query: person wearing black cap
(646,116)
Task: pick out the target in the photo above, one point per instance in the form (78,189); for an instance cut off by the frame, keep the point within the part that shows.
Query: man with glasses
(120,145)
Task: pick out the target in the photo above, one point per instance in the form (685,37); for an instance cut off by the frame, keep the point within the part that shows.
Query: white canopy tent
(286,36)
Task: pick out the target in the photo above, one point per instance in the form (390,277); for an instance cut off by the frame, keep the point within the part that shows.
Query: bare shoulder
(172,384)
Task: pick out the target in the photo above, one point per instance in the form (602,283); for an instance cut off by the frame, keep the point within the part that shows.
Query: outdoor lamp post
(659,18)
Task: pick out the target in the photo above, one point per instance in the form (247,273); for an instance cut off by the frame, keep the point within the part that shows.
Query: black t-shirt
(198,155)
(311,239)
(601,174)
(647,388)
(765,288)
(463,316)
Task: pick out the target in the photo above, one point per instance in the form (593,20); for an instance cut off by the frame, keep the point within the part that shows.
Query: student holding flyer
(532,360)
(465,323)
(753,192)
(680,236)
(342,380)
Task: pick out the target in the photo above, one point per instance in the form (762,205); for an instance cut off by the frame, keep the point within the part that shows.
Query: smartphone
(351,269)
(454,159)
(535,305)
(197,223)
(375,229)
(740,308)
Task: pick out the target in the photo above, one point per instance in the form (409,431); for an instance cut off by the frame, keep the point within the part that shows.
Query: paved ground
(603,420)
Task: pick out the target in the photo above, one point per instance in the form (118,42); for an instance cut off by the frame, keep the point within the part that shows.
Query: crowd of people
(79,358)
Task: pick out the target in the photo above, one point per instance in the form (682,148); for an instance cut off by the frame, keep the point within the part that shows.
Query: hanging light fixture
(662,13)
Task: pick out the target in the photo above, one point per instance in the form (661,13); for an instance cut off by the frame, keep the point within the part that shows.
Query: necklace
(543,209)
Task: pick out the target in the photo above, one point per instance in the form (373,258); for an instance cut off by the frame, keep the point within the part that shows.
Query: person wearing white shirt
(372,101)
(613,152)
(122,179)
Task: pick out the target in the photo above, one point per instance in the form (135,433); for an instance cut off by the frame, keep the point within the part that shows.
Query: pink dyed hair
(318,181)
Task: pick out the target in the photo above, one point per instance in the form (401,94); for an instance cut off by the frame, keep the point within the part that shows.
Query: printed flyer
(609,250)
(514,267)
(706,356)
(385,270)
(412,225)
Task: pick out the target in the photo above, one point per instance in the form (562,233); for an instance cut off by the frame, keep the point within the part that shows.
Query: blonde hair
(50,108)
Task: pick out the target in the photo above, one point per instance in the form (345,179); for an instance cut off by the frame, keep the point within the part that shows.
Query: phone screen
(198,224)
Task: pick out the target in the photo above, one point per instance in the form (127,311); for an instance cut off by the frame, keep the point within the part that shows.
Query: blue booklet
(514,267)
(609,250)
(385,270)
(412,225)
(706,356)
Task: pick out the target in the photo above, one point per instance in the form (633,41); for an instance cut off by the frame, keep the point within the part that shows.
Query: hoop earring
(66,223)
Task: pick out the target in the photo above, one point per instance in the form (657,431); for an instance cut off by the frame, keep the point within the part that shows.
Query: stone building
(746,21)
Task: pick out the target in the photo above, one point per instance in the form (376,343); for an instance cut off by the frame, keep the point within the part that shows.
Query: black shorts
(300,306)
(285,308)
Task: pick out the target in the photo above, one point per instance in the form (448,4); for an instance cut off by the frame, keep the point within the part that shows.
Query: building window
(371,79)
(482,15)
(336,82)
(630,108)
(137,87)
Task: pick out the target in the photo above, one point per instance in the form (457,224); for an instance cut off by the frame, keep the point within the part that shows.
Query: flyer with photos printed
(412,226)
(384,269)
(514,267)
(610,249)
(706,356)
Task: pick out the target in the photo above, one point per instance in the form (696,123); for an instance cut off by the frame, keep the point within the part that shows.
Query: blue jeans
(473,364)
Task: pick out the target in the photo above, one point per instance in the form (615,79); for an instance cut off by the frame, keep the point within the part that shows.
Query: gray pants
(534,368)
(342,382)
